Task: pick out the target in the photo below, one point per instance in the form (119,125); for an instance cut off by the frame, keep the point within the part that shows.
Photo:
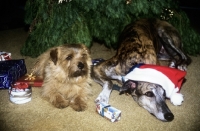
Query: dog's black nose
(169,116)
(80,65)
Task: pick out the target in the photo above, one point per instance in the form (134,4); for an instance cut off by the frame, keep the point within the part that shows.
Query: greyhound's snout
(169,116)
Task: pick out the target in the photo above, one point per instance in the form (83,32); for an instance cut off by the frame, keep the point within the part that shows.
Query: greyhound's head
(150,96)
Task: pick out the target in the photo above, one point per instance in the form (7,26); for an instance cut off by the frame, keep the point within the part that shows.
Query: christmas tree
(54,22)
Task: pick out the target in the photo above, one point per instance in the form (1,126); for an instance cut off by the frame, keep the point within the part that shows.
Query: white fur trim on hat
(176,98)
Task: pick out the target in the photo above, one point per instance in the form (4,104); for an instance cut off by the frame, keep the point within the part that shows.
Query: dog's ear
(86,48)
(113,62)
(54,55)
(128,87)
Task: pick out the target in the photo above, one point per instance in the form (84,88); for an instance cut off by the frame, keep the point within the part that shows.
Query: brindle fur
(149,96)
(144,41)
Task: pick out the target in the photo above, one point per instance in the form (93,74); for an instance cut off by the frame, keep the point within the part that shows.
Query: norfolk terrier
(66,73)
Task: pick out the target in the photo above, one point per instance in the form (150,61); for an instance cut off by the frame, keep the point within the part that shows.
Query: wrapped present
(30,80)
(11,71)
(20,93)
(109,112)
(96,61)
(5,56)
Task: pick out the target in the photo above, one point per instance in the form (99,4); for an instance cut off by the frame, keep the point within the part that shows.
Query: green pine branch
(79,21)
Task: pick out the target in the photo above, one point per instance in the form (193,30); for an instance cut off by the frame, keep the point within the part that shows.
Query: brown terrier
(66,73)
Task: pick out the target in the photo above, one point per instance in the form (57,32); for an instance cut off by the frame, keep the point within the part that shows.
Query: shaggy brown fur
(66,73)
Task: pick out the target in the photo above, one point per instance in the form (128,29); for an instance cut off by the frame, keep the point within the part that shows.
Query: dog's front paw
(102,98)
(78,104)
(60,102)
(80,107)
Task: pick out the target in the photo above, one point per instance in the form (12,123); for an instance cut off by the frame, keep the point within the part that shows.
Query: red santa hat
(169,78)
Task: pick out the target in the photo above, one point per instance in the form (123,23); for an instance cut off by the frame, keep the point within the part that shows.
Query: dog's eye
(164,94)
(69,57)
(149,94)
(140,83)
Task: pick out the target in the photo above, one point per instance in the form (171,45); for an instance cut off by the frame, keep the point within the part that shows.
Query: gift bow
(30,77)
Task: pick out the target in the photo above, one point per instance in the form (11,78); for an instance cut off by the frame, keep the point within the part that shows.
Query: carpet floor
(39,115)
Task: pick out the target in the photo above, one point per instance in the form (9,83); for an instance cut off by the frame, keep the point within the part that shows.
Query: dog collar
(131,69)
(135,66)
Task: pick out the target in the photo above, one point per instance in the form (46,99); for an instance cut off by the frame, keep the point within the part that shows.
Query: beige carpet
(39,115)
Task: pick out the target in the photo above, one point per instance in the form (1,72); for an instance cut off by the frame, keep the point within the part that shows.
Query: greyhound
(149,96)
(145,41)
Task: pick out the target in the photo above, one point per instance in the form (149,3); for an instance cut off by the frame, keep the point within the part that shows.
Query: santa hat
(169,78)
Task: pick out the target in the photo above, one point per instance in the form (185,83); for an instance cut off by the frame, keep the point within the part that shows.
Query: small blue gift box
(10,71)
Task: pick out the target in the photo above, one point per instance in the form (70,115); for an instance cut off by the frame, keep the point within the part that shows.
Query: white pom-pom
(176,99)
